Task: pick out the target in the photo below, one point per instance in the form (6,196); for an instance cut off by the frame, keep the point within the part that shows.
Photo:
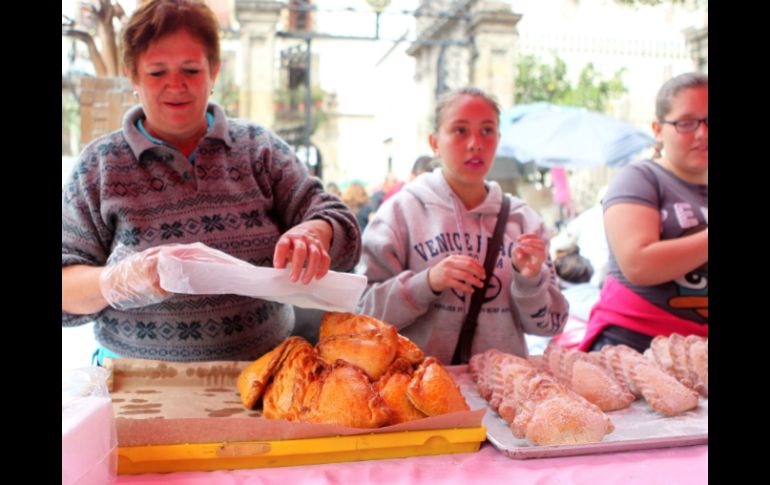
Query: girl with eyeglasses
(656,220)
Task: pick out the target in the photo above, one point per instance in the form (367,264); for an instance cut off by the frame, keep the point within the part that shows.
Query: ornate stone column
(258,20)
(493,63)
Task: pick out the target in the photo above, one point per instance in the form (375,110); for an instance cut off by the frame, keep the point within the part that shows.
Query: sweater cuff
(419,290)
(338,245)
(528,285)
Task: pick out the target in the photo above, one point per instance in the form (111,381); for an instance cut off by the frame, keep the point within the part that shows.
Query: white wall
(374,87)
(647,40)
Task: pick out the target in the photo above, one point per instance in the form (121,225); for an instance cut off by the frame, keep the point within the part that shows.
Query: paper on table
(200,270)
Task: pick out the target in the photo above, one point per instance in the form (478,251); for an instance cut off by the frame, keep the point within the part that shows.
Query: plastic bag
(201,270)
(89,441)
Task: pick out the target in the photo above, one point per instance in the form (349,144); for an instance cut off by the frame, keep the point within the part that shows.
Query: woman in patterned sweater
(178,172)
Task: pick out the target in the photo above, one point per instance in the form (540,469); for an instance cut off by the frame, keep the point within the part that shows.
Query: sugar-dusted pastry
(698,362)
(549,414)
(613,356)
(585,376)
(372,352)
(536,405)
(679,360)
(433,391)
(392,388)
(343,395)
(506,365)
(598,386)
(514,390)
(480,366)
(686,358)
(662,391)
(559,420)
(662,353)
(253,379)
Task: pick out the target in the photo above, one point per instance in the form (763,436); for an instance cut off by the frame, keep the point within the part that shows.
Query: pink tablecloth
(683,465)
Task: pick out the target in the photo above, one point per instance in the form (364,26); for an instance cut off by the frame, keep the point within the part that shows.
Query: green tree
(593,91)
(539,81)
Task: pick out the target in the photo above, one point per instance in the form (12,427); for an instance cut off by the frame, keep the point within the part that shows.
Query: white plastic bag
(201,270)
(89,441)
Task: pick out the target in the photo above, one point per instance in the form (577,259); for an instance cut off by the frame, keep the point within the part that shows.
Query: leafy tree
(106,60)
(538,81)
(541,82)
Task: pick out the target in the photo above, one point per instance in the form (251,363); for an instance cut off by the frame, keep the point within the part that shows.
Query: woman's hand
(528,255)
(305,245)
(458,272)
(133,282)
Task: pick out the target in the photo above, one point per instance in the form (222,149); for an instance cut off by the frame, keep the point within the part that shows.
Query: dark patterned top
(244,189)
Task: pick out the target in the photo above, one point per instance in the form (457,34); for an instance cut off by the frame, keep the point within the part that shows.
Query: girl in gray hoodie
(423,249)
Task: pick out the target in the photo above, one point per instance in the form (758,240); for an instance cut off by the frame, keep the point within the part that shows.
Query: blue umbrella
(565,135)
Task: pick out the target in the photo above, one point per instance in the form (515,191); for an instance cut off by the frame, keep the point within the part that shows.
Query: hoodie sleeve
(538,303)
(394,293)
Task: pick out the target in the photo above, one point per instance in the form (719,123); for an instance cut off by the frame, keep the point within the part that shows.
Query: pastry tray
(638,427)
(173,416)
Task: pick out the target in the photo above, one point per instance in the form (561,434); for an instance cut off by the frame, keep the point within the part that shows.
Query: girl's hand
(306,246)
(528,255)
(457,271)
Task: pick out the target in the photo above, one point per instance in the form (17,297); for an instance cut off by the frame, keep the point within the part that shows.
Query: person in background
(423,248)
(390,186)
(656,219)
(180,171)
(356,198)
(334,189)
(572,268)
(423,164)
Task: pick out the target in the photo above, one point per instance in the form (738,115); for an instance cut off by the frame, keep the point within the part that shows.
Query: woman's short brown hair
(154,19)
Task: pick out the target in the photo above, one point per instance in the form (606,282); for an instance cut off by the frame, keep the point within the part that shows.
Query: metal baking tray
(638,427)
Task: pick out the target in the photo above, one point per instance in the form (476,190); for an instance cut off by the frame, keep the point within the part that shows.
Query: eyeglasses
(687,126)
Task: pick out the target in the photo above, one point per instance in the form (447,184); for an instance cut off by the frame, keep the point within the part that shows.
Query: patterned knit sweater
(244,189)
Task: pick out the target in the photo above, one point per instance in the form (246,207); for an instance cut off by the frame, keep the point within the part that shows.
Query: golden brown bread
(371,352)
(283,396)
(433,391)
(392,388)
(253,379)
(338,323)
(343,395)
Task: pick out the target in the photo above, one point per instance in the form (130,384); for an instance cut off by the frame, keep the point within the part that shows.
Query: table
(681,465)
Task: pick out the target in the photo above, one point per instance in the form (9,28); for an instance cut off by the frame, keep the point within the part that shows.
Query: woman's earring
(136,95)
(658,150)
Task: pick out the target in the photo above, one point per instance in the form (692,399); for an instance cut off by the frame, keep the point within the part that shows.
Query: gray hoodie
(426,222)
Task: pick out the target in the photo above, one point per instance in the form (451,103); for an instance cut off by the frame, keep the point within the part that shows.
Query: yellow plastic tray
(313,451)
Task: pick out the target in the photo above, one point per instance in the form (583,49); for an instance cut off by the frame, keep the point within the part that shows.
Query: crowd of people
(475,273)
